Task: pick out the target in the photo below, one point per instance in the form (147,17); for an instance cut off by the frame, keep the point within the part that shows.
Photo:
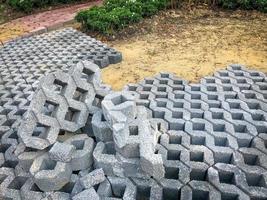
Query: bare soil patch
(189,43)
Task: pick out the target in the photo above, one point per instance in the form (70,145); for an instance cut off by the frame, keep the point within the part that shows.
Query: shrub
(29,5)
(116,14)
(260,5)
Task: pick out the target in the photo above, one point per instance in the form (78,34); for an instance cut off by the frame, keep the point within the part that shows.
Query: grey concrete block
(93,178)
(82,156)
(61,152)
(86,194)
(50,175)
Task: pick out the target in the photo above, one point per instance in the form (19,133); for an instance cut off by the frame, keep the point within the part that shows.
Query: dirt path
(42,21)
(190,45)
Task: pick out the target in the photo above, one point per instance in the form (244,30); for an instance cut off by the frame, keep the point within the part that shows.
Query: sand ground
(190,47)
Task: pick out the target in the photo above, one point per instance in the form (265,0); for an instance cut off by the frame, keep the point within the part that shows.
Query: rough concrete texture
(160,139)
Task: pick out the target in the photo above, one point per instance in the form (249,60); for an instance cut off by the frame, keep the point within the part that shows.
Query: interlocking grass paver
(159,139)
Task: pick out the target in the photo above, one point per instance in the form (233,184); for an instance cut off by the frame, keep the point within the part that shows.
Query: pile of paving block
(160,139)
(24,61)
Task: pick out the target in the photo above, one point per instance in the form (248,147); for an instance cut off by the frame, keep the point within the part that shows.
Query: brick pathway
(41,22)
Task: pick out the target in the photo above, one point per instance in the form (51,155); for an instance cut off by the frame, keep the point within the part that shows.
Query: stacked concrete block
(82,156)
(62,102)
(48,174)
(23,62)
(133,135)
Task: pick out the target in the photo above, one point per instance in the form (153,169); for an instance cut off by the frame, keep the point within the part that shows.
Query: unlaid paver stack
(160,139)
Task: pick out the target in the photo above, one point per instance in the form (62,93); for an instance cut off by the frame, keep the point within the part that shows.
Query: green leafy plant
(29,5)
(260,5)
(117,14)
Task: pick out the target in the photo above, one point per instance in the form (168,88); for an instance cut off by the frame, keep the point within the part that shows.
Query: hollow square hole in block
(210,80)
(17,183)
(258,117)
(250,96)
(254,106)
(50,108)
(221,157)
(177,126)
(213,97)
(158,114)
(195,96)
(133,130)
(179,96)
(228,196)
(177,115)
(67,188)
(175,139)
(2,177)
(48,164)
(196,105)
(226,81)
(164,75)
(144,96)
(198,174)
(4,147)
(118,190)
(173,155)
(35,188)
(171,194)
(234,105)
(239,73)
(178,104)
(79,94)
(198,140)
(161,104)
(87,74)
(132,88)
(60,86)
(223,74)
(195,88)
(40,131)
(251,159)
(198,126)
(254,74)
(149,82)
(13,135)
(197,156)
(211,88)
(227,177)
(109,149)
(172,173)
(237,116)
(217,115)
(161,89)
(143,192)
(120,99)
(161,95)
(221,141)
(218,127)
(240,128)
(200,194)
(227,88)
(256,180)
(241,81)
(103,119)
(263,87)
(147,88)
(79,144)
(72,115)
(164,82)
